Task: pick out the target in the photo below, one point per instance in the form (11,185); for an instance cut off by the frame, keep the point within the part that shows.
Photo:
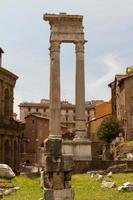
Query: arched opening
(7,153)
(6,103)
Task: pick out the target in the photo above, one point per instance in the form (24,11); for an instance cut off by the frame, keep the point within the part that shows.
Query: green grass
(29,189)
(86,188)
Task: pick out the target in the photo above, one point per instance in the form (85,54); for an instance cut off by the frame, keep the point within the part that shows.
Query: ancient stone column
(81,132)
(58,167)
(55,89)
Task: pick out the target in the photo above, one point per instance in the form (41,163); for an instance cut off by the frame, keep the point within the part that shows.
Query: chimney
(1,51)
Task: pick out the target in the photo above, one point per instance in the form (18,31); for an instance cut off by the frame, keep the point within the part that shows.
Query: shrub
(109,129)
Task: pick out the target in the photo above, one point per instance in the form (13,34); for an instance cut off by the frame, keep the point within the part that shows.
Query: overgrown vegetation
(109,129)
(86,188)
(129,70)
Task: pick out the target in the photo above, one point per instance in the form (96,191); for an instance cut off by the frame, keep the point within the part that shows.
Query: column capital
(54,46)
(79,46)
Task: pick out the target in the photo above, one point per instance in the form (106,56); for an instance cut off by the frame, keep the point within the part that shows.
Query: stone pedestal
(80,149)
(57,172)
(65,194)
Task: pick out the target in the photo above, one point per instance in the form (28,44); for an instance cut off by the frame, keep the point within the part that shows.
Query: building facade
(67,111)
(103,111)
(36,131)
(122,102)
(11,131)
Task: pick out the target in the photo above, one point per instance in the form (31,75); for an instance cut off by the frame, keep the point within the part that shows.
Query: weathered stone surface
(64,163)
(126,187)
(67,162)
(98,177)
(68,176)
(53,164)
(110,174)
(48,194)
(67,184)
(47,180)
(108,184)
(58,180)
(8,191)
(117,168)
(66,194)
(52,147)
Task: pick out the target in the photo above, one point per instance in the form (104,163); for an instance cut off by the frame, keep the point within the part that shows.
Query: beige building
(122,102)
(11,131)
(67,111)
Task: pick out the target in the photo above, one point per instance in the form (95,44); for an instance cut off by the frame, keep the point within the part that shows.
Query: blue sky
(24,37)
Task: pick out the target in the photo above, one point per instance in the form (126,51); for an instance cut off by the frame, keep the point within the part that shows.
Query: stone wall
(84,166)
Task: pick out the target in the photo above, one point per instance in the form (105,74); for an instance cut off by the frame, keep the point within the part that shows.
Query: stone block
(47,180)
(67,184)
(66,194)
(67,176)
(53,146)
(53,164)
(48,194)
(67,162)
(58,180)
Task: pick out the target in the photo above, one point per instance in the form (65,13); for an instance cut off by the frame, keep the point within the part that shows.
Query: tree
(129,70)
(109,129)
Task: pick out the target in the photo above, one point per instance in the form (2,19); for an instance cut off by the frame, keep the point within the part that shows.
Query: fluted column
(81,132)
(55,89)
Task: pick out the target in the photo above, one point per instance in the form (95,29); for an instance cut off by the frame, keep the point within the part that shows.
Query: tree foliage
(129,70)
(109,129)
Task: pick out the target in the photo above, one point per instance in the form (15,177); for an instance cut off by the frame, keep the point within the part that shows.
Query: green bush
(109,129)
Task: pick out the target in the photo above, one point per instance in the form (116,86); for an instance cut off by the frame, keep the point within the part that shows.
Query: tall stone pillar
(58,167)
(55,89)
(81,132)
(82,144)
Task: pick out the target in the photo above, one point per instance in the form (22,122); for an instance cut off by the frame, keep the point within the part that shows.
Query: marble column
(81,132)
(55,89)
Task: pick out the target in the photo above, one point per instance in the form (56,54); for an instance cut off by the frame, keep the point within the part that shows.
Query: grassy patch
(29,189)
(86,188)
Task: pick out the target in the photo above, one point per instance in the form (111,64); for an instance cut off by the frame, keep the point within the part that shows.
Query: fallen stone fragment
(110,174)
(108,184)
(16,188)
(98,177)
(10,191)
(126,187)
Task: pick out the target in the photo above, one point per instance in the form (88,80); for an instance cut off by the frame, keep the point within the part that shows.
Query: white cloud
(113,64)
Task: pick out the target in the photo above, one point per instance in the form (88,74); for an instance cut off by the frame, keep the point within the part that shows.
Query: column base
(51,194)
(79,148)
